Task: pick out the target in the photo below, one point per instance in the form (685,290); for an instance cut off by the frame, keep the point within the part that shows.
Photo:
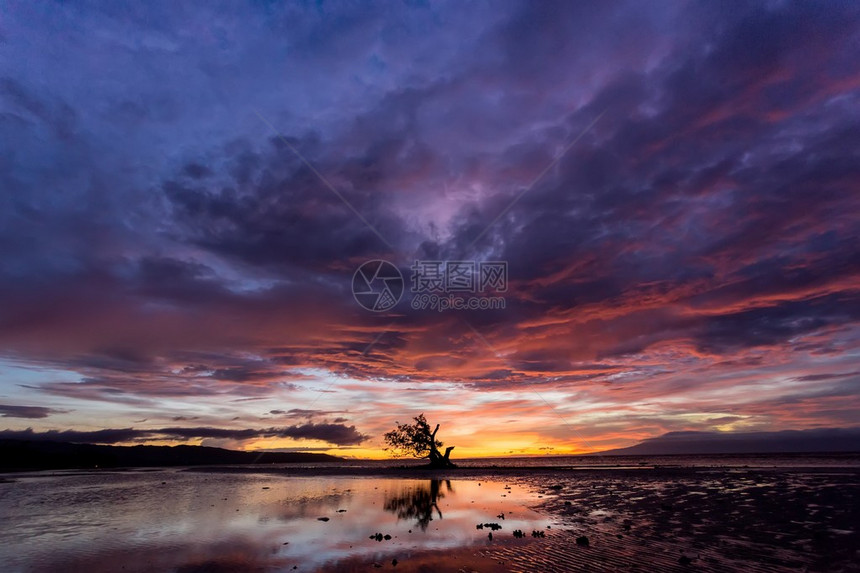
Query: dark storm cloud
(775,324)
(337,434)
(33,412)
(827,376)
(286,216)
(625,215)
(107,436)
(305,413)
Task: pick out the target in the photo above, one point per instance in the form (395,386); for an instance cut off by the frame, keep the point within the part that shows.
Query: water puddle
(212,522)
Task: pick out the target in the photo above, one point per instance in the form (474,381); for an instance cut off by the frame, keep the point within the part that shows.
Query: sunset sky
(187,189)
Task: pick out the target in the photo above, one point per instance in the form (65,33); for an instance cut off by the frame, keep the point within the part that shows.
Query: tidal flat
(702,518)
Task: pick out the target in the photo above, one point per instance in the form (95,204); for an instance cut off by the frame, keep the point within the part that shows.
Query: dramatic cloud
(34,412)
(337,434)
(181,239)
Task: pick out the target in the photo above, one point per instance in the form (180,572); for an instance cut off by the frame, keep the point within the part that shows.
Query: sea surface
(680,460)
(810,460)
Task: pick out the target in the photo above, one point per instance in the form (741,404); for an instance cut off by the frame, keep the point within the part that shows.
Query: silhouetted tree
(418,441)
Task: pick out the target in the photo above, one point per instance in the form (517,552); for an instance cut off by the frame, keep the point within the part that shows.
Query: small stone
(582,541)
(684,560)
(321,518)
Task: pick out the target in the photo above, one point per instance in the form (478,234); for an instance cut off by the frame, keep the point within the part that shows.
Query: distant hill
(784,442)
(39,455)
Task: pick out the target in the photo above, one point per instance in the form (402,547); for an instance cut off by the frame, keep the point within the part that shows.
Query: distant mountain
(39,455)
(784,442)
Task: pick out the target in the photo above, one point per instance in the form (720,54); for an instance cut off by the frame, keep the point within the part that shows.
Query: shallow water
(597,461)
(180,521)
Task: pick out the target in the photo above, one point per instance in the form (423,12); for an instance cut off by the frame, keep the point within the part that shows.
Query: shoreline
(469,472)
(476,472)
(584,462)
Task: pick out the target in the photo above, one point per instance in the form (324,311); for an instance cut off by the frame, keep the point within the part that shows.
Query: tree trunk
(437,460)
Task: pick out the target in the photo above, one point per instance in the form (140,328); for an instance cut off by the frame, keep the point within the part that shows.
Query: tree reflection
(418,502)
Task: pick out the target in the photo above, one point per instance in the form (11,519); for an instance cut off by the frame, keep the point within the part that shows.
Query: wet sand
(736,520)
(668,519)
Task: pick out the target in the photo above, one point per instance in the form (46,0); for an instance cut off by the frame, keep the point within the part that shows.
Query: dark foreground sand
(669,519)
